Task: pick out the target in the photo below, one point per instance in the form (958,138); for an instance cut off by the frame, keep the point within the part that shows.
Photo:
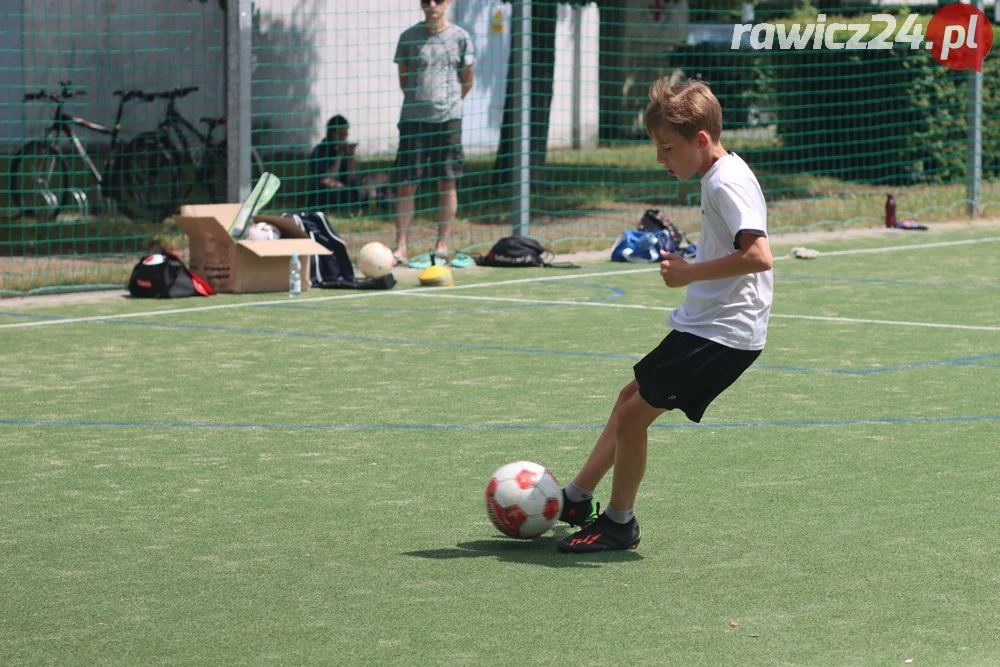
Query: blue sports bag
(638,246)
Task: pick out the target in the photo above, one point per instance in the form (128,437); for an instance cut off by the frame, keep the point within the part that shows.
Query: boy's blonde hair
(686,108)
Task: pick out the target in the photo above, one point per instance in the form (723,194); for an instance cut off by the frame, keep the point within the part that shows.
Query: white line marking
(423,291)
(271,302)
(855,320)
(605,304)
(915,246)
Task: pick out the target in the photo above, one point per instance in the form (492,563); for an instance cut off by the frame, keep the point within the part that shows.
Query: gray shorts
(429,149)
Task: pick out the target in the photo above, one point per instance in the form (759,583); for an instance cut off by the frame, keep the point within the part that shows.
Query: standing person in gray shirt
(435,59)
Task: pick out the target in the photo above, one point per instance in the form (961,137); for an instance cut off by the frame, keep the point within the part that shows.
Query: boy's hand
(674,270)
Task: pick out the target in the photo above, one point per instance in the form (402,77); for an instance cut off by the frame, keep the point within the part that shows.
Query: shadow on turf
(540,551)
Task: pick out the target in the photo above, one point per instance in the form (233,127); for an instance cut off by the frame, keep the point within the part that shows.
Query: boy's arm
(466,75)
(402,77)
(753,256)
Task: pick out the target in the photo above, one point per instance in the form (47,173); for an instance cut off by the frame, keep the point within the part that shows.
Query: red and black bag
(162,275)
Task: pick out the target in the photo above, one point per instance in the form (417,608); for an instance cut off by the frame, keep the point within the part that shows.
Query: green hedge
(734,76)
(892,116)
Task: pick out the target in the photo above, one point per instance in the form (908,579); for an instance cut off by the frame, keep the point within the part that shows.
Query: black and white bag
(333,271)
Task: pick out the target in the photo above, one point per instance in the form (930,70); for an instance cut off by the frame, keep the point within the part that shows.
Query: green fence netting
(114,114)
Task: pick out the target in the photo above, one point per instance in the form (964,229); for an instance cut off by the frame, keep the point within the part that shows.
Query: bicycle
(173,134)
(40,182)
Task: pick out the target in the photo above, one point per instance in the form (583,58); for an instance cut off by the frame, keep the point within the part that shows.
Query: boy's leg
(448,159)
(409,168)
(404,216)
(617,528)
(634,418)
(602,456)
(579,507)
(448,204)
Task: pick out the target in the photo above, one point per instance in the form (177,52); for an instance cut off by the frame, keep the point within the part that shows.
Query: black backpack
(333,271)
(513,251)
(162,275)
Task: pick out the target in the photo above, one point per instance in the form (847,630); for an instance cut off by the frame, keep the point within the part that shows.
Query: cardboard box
(232,265)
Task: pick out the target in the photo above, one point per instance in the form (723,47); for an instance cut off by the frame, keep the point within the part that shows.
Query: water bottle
(294,276)
(890,211)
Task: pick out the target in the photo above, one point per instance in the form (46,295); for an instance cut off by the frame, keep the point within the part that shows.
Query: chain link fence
(115,112)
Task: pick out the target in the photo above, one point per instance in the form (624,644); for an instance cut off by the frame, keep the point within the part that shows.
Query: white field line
(271,302)
(423,291)
(605,304)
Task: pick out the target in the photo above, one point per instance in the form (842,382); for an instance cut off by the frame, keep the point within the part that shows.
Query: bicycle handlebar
(129,95)
(176,93)
(61,96)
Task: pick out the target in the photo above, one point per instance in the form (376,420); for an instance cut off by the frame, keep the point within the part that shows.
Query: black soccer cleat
(602,534)
(578,513)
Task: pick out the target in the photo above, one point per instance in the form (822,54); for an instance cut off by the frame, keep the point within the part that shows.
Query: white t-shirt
(731,311)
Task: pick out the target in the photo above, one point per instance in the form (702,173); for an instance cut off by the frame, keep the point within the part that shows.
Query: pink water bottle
(890,211)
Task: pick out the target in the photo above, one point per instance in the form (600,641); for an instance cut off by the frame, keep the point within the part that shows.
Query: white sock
(578,493)
(620,516)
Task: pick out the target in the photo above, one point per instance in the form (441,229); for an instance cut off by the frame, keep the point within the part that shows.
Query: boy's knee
(627,392)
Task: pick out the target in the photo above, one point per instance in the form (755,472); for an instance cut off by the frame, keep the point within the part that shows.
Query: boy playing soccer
(719,330)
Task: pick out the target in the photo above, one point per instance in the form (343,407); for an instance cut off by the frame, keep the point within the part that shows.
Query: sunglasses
(428,3)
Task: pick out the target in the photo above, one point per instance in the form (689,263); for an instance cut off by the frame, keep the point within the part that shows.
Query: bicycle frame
(62,124)
(174,122)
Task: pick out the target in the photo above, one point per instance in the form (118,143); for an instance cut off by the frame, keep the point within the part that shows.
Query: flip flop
(398,261)
(462,261)
(421,261)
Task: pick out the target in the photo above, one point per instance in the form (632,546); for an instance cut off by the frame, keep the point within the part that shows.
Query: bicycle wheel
(38,178)
(215,171)
(151,188)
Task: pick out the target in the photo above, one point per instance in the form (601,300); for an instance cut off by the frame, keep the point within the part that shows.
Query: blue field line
(489,427)
(880,281)
(33,316)
(527,350)
(961,361)
(377,339)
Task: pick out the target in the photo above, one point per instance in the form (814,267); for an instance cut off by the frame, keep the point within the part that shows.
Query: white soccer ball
(262,231)
(375,260)
(523,499)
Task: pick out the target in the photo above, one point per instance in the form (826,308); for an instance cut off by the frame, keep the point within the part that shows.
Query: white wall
(312,59)
(103,46)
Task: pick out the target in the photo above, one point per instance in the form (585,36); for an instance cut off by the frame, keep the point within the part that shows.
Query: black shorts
(686,372)
(429,149)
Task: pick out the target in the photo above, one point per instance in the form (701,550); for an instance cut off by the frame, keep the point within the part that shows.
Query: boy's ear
(703,138)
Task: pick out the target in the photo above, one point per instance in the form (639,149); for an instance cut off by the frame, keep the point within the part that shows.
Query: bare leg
(404,215)
(632,421)
(448,205)
(602,456)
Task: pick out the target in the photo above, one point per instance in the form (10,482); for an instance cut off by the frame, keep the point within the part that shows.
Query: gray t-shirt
(433,61)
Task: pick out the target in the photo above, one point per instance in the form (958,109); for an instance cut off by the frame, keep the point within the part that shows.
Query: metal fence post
(521,44)
(238,135)
(975,157)
(577,14)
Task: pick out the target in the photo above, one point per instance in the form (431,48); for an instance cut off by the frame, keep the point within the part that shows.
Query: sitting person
(335,169)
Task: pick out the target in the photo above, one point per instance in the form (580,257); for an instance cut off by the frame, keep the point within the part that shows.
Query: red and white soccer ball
(523,499)
(262,231)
